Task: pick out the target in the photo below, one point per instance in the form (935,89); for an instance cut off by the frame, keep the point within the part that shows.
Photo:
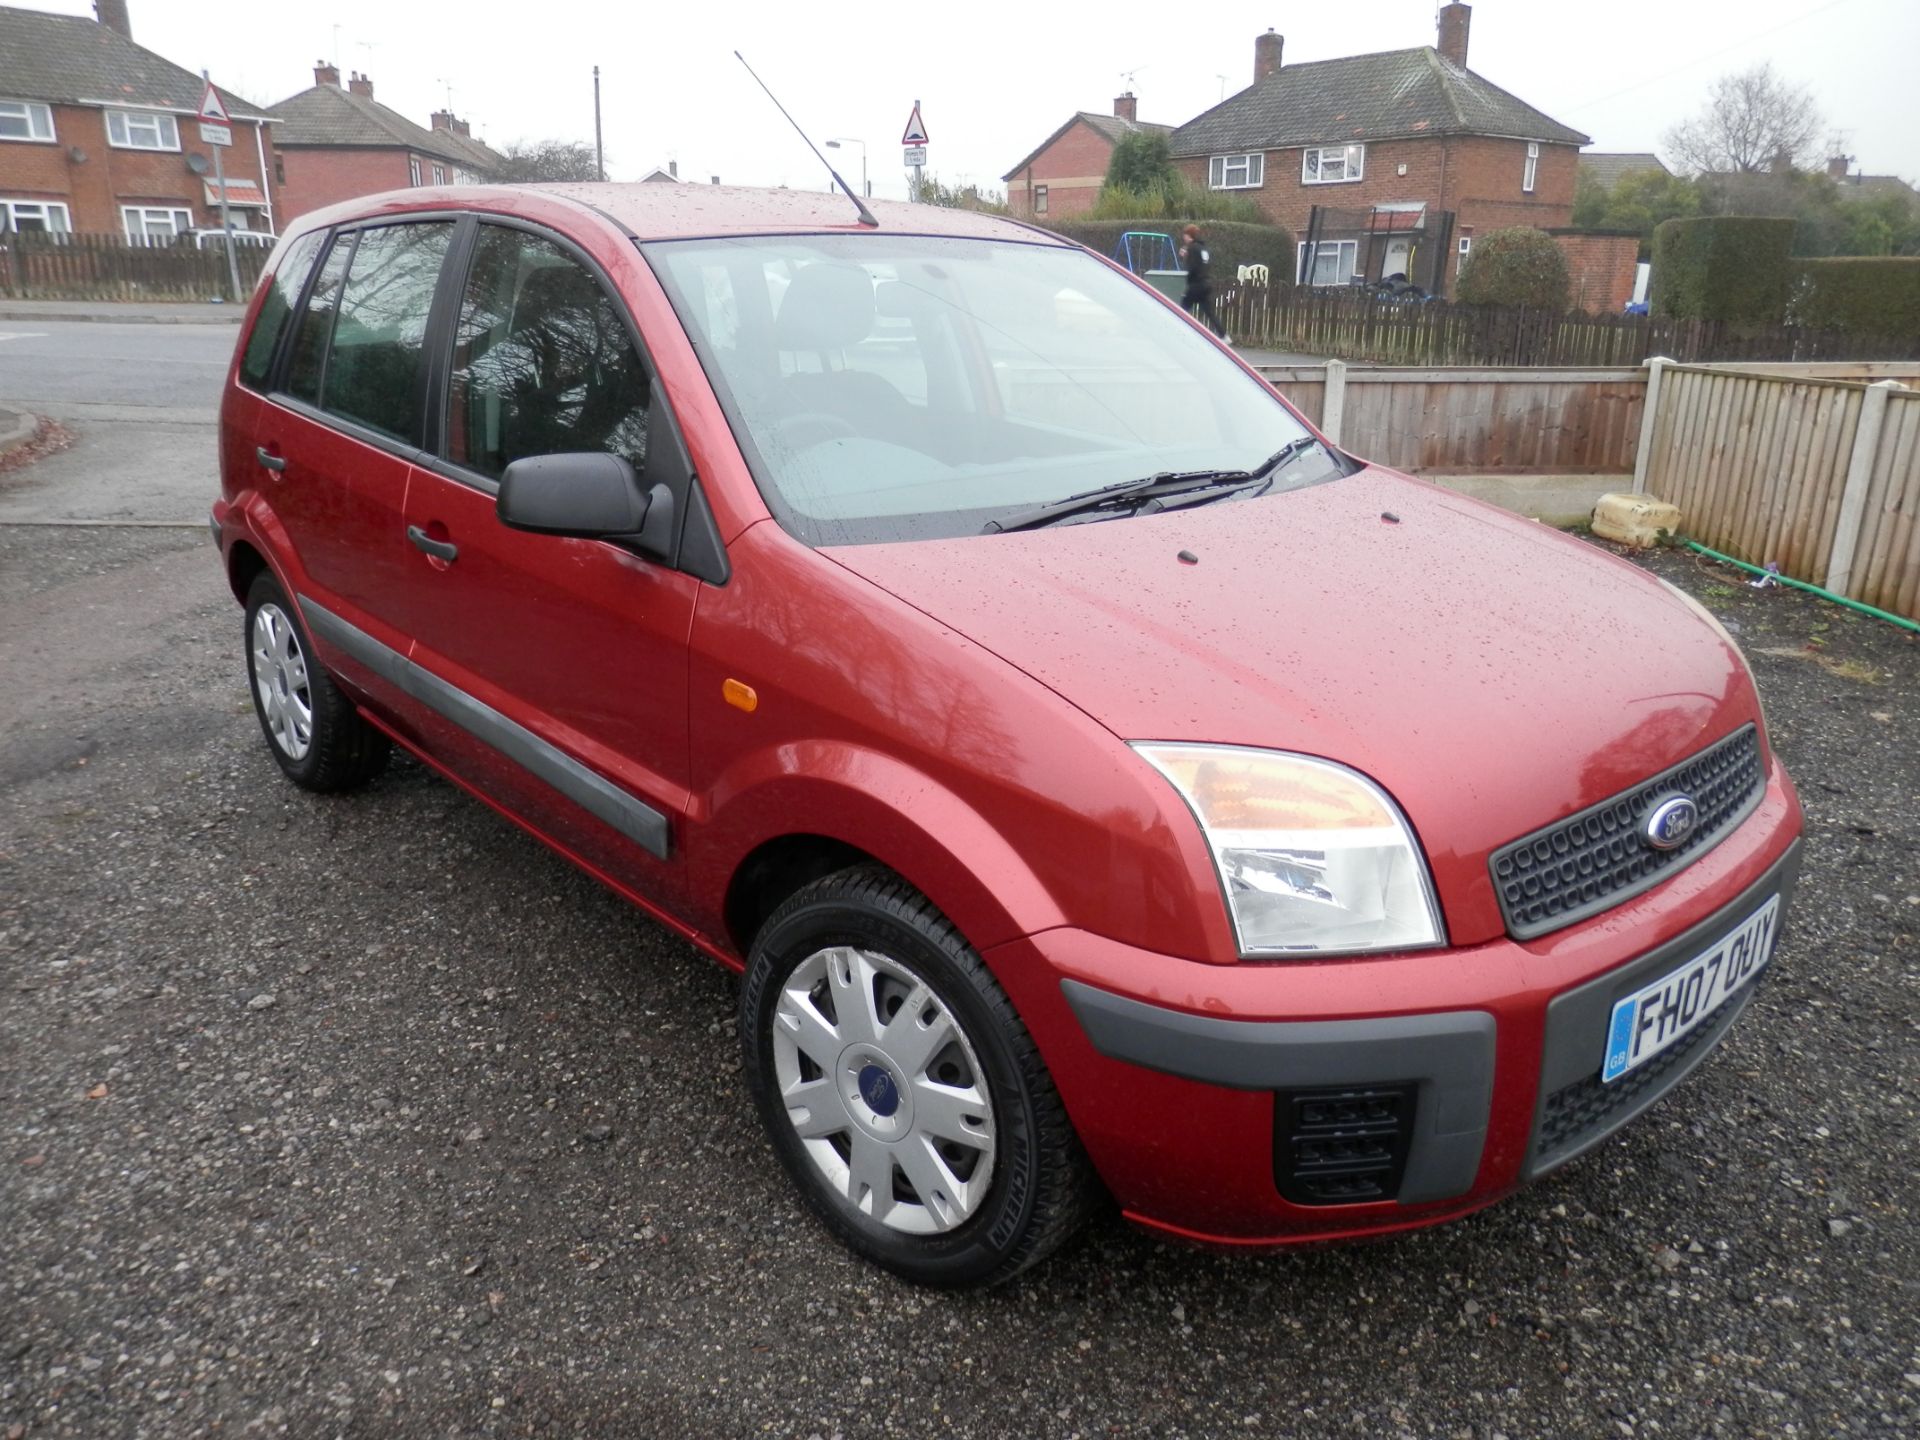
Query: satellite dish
(197,164)
(76,155)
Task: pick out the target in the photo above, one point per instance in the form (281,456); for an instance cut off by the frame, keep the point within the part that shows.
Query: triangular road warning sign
(916,128)
(211,108)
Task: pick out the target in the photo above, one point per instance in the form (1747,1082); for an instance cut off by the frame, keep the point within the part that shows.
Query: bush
(1877,296)
(1733,268)
(1141,160)
(1520,266)
(1231,245)
(1173,199)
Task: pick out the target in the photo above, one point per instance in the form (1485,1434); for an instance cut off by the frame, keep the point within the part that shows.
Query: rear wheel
(319,739)
(900,1088)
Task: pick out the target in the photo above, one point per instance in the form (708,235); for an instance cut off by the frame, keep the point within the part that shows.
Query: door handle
(269,460)
(439,549)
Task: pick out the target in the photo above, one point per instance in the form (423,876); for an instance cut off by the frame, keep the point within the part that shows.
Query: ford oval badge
(1671,823)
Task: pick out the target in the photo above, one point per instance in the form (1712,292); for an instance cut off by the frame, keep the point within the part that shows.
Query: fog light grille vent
(1342,1147)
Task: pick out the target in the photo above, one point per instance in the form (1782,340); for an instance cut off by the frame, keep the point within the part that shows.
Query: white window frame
(142,231)
(1039,199)
(49,212)
(1352,253)
(1315,161)
(1466,246)
(413,168)
(439,174)
(1246,170)
(129,130)
(1532,171)
(28,112)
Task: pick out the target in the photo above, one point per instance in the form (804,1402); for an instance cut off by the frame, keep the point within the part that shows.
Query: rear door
(558,666)
(338,439)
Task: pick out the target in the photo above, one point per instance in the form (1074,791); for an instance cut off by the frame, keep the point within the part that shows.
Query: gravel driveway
(369,1117)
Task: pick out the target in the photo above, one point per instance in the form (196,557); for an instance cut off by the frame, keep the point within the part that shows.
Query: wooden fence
(39,266)
(1358,325)
(1819,476)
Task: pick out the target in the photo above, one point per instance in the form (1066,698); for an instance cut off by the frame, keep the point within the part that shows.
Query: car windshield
(891,387)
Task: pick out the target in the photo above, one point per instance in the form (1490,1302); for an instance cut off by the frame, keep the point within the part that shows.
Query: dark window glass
(542,363)
(373,364)
(285,289)
(316,323)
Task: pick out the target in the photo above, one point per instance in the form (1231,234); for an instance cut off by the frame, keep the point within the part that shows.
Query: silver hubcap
(883,1088)
(280,682)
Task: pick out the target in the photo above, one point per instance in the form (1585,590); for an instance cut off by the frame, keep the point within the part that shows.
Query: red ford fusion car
(1103,783)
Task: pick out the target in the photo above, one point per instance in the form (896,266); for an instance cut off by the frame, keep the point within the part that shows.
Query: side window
(309,352)
(282,291)
(542,362)
(373,364)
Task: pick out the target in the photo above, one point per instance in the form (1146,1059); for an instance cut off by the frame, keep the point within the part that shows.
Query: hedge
(1230,243)
(1519,266)
(1733,268)
(1875,295)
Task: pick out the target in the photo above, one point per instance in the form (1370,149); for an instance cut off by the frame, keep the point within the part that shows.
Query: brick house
(99,136)
(1062,177)
(334,143)
(1408,154)
(1607,168)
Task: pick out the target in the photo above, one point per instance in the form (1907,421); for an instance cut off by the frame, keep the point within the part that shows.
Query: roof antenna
(866,215)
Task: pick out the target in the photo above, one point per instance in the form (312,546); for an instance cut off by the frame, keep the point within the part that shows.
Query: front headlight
(1313,857)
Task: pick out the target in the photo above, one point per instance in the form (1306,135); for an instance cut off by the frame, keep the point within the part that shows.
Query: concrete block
(1636,520)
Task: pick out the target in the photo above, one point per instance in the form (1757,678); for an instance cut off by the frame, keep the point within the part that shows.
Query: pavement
(118,312)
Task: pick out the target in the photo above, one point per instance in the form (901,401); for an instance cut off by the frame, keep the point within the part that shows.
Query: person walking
(1198,299)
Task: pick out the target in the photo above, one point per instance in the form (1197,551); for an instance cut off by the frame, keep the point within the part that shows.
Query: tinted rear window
(373,363)
(282,292)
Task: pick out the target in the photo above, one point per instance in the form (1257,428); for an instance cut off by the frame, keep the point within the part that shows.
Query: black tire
(342,751)
(1041,1187)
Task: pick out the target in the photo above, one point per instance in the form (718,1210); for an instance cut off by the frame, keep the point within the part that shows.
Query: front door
(1399,259)
(558,666)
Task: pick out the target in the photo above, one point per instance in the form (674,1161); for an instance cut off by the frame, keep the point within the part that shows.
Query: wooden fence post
(1853,497)
(1333,405)
(1650,410)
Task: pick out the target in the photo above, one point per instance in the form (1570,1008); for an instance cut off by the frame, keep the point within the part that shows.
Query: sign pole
(226,222)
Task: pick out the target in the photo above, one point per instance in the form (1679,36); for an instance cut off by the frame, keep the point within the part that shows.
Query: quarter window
(39,215)
(282,291)
(1237,172)
(142,130)
(1332,164)
(25,120)
(155,224)
(1533,166)
(372,374)
(542,361)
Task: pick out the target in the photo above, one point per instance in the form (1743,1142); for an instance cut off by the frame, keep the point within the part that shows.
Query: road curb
(214,315)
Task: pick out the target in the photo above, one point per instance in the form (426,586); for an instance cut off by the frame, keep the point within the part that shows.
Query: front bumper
(1172,1071)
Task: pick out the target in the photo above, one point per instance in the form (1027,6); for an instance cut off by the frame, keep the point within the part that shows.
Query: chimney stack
(360,85)
(1454,20)
(325,74)
(1266,54)
(463,128)
(113,15)
(440,120)
(673,168)
(1837,166)
(1126,107)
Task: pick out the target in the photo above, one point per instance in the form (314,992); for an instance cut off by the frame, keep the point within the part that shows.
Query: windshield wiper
(1152,488)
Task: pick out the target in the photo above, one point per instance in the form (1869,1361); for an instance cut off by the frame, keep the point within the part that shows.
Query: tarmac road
(369,1117)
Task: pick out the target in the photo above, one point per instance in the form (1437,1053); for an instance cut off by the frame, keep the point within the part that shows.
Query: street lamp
(865,188)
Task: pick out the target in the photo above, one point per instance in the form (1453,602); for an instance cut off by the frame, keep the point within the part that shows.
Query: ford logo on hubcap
(879,1091)
(1671,822)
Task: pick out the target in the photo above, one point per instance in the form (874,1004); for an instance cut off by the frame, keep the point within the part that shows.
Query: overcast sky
(997,78)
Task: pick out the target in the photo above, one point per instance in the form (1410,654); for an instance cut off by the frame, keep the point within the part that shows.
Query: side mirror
(588,495)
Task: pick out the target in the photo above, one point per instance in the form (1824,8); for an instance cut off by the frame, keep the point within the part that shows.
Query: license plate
(1664,1013)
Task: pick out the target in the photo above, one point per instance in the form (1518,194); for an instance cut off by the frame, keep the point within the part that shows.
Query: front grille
(1342,1147)
(1586,863)
(1576,1115)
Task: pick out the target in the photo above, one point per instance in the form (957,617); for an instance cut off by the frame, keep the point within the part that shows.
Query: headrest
(551,288)
(827,307)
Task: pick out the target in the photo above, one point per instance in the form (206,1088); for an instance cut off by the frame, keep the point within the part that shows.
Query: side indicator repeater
(740,695)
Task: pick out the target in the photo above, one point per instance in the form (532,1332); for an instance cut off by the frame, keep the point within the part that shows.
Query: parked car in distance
(1105,786)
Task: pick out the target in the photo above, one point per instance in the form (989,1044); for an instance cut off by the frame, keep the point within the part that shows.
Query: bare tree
(1755,121)
(533,160)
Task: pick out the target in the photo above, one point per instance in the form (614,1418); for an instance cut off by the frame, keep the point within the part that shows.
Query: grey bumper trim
(594,793)
(1449,1055)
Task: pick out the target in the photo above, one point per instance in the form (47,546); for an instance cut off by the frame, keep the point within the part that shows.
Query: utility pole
(599,154)
(226,221)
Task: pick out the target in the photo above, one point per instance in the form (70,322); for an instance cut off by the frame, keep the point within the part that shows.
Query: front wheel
(901,1090)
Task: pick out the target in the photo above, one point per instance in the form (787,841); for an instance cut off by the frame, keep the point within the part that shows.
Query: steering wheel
(806,428)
